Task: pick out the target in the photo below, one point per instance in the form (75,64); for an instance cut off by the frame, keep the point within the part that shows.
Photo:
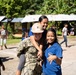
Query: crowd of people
(40,53)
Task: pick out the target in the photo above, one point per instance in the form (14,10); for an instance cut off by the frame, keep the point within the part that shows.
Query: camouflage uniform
(31,66)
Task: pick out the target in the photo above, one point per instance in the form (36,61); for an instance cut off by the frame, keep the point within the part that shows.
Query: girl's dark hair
(54,32)
(42,17)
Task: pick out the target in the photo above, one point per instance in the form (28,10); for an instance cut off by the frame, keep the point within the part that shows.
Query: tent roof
(30,18)
(17,20)
(35,18)
(5,20)
(2,17)
(14,20)
(59,17)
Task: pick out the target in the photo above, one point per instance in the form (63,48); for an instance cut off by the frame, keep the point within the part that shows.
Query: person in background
(1,65)
(53,26)
(72,32)
(3,37)
(64,34)
(43,20)
(28,65)
(52,55)
(25,35)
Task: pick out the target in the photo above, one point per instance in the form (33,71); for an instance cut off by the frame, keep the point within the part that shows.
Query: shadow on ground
(4,59)
(11,47)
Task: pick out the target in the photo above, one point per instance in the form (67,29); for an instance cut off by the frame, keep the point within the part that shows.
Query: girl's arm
(59,61)
(37,47)
(54,57)
(34,43)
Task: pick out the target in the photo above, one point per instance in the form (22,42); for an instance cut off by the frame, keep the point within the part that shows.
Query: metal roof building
(58,17)
(1,18)
(17,20)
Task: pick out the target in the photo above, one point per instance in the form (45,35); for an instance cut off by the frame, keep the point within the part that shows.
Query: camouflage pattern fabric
(31,66)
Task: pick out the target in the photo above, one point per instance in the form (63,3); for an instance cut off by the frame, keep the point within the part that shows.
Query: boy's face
(66,25)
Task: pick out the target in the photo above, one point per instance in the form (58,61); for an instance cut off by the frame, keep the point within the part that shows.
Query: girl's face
(50,37)
(44,23)
(37,36)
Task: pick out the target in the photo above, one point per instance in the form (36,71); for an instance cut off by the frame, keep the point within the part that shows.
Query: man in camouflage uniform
(31,66)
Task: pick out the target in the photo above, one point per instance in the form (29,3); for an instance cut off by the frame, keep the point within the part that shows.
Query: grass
(17,40)
(72,36)
(13,41)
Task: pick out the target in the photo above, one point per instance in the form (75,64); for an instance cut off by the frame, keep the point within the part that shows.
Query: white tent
(30,18)
(59,17)
(2,17)
(17,20)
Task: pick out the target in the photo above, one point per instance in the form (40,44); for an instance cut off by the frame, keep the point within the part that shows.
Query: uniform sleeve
(59,52)
(30,32)
(22,46)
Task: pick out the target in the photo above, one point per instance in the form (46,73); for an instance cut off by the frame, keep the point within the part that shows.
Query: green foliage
(20,8)
(59,33)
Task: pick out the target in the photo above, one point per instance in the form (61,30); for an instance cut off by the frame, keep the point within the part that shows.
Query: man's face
(37,36)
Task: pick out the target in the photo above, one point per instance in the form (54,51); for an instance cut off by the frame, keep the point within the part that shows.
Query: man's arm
(21,47)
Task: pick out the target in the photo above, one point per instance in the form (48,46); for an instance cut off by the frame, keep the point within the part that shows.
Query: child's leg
(21,64)
(1,43)
(4,41)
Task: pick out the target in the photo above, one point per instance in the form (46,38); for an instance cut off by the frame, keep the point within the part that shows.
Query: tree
(20,8)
